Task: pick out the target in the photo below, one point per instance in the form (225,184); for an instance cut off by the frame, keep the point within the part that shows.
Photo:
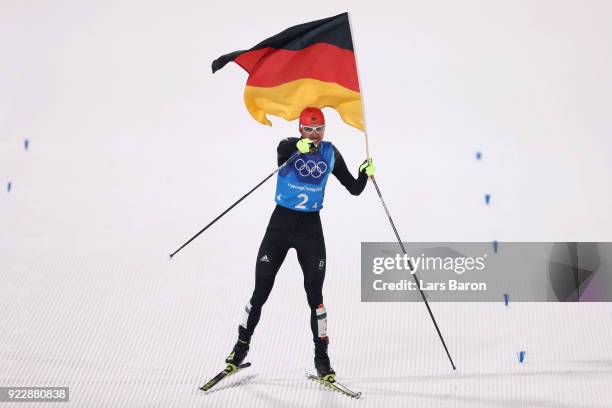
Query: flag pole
(365,128)
(397,236)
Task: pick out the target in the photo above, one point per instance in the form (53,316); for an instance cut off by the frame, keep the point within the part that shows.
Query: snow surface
(134,146)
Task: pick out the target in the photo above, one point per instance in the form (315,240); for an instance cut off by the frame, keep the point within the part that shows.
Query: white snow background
(135,145)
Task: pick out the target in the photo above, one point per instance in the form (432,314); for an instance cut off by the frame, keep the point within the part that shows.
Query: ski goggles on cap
(310,129)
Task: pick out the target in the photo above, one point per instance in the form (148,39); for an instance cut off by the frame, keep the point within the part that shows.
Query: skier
(295,223)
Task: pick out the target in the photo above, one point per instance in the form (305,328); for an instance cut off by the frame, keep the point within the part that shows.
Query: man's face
(313,132)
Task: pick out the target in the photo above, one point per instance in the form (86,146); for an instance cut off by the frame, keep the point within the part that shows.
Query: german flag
(311,64)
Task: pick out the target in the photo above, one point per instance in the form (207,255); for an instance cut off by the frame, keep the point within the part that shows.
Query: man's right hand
(304,145)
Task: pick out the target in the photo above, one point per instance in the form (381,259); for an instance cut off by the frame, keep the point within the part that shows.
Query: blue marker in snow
(487,198)
(26,144)
(506,299)
(521,356)
(478,155)
(8,187)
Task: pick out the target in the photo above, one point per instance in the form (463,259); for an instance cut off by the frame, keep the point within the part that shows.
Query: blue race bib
(300,185)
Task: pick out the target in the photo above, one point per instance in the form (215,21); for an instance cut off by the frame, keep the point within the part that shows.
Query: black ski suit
(300,230)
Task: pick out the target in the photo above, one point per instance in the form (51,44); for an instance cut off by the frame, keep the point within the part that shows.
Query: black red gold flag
(311,64)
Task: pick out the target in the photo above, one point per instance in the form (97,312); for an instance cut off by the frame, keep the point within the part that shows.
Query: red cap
(312,116)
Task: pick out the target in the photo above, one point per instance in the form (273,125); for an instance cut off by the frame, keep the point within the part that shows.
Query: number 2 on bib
(302,205)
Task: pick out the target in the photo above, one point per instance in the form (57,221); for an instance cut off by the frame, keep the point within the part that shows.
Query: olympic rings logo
(310,168)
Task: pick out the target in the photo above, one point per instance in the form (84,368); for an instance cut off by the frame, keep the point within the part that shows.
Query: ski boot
(321,361)
(238,354)
(234,363)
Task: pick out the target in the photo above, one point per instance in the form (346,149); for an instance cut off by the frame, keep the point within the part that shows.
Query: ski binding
(331,383)
(229,370)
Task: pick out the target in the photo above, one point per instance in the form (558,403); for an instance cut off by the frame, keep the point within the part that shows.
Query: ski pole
(413,273)
(235,204)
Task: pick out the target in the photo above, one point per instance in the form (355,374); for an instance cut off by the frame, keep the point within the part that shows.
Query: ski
(229,370)
(334,385)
